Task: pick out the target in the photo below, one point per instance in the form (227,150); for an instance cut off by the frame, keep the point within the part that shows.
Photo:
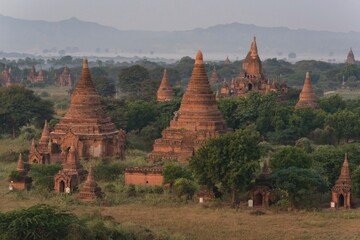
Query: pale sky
(170,15)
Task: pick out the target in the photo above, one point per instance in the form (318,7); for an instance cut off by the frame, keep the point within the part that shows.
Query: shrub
(184,187)
(108,172)
(43,175)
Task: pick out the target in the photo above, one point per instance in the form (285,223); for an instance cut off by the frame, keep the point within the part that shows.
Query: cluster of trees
(230,163)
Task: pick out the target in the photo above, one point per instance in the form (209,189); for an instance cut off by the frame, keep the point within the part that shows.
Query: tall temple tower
(307,96)
(251,66)
(350,57)
(197,120)
(341,192)
(65,78)
(86,126)
(165,92)
(214,78)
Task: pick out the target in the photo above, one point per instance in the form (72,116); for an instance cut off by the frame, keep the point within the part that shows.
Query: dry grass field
(345,93)
(209,221)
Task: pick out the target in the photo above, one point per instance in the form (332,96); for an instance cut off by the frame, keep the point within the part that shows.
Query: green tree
(355,181)
(230,160)
(184,187)
(172,172)
(299,183)
(130,78)
(289,156)
(332,104)
(19,107)
(345,123)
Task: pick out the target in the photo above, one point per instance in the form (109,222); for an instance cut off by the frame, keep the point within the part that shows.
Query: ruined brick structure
(251,77)
(40,153)
(90,190)
(341,192)
(224,90)
(214,78)
(32,75)
(72,173)
(65,78)
(24,181)
(86,125)
(307,96)
(33,78)
(260,190)
(197,120)
(144,176)
(6,78)
(350,58)
(165,92)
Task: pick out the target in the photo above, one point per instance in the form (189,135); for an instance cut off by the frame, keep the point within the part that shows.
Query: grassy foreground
(209,221)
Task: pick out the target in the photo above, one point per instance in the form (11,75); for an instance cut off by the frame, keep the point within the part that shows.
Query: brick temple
(350,58)
(341,192)
(214,78)
(35,78)
(90,190)
(252,78)
(307,96)
(86,125)
(6,78)
(65,78)
(165,92)
(197,120)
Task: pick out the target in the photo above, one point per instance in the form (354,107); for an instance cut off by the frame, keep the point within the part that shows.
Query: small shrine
(341,192)
(90,190)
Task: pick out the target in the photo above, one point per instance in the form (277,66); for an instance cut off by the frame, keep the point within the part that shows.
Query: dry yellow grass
(193,221)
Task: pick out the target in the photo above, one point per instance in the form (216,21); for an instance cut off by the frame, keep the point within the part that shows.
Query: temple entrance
(249,87)
(62,186)
(35,161)
(341,200)
(258,199)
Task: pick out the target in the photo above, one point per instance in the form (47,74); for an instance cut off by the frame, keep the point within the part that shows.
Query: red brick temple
(341,192)
(165,92)
(307,97)
(197,120)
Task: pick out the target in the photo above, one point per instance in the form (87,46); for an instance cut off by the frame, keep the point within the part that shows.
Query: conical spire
(307,96)
(66,70)
(345,173)
(198,106)
(45,136)
(90,190)
(253,49)
(350,57)
(164,92)
(214,78)
(20,165)
(227,60)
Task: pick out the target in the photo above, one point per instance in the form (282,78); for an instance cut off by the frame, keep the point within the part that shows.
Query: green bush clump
(43,175)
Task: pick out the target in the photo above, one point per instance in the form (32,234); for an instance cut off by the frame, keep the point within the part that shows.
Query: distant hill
(74,35)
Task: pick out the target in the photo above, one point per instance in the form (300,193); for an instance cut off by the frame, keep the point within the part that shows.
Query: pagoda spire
(20,165)
(253,49)
(307,96)
(345,173)
(45,135)
(165,92)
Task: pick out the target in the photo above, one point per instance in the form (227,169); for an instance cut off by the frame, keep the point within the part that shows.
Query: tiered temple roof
(197,119)
(350,57)
(87,124)
(165,92)
(307,96)
(40,77)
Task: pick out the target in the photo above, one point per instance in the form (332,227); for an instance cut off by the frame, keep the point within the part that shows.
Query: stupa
(22,181)
(32,75)
(197,120)
(40,153)
(90,190)
(214,78)
(227,60)
(6,78)
(224,90)
(307,96)
(350,57)
(165,92)
(341,192)
(40,77)
(86,125)
(65,78)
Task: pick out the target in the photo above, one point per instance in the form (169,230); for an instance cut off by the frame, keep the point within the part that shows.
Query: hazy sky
(331,15)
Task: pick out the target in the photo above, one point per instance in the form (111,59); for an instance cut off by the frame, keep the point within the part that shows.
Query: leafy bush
(37,222)
(108,172)
(174,171)
(184,187)
(43,175)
